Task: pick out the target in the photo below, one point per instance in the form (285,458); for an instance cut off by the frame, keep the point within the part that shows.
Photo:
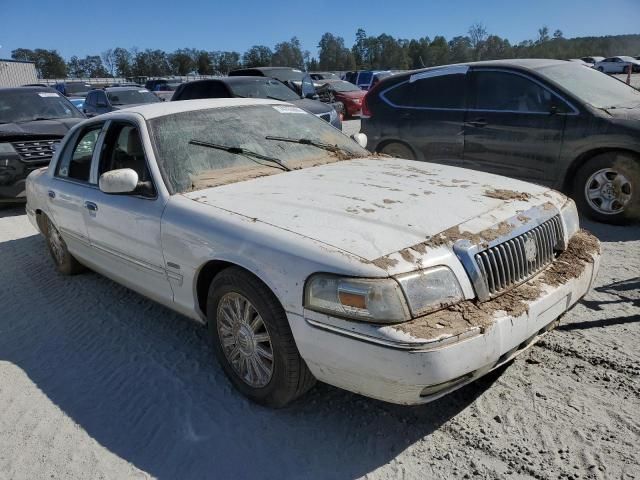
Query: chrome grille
(35,150)
(520,258)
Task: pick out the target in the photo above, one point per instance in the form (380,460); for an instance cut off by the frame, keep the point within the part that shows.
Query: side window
(101,99)
(90,101)
(503,91)
(123,148)
(441,92)
(76,164)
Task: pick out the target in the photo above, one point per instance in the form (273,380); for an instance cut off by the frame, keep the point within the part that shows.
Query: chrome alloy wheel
(56,242)
(245,340)
(608,191)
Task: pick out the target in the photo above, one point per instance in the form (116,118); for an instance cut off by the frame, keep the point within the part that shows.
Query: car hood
(625,113)
(312,106)
(375,207)
(57,128)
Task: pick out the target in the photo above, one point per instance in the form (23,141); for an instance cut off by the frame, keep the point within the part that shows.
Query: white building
(14,73)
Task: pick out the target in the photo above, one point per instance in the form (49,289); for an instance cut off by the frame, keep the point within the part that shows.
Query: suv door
(72,181)
(429,114)
(514,125)
(124,230)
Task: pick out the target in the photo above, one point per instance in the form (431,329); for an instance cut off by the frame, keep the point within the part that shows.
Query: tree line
(382,52)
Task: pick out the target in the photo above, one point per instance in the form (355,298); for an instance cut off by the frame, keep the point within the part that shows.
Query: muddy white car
(308,258)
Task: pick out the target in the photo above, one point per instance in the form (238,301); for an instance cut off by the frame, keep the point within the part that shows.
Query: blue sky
(89,27)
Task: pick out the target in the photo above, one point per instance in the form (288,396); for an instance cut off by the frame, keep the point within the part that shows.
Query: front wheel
(607,188)
(253,341)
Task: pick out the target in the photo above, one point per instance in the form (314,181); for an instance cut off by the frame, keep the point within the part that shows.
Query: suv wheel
(607,188)
(398,150)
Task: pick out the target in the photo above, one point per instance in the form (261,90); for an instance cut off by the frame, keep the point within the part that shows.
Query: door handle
(92,207)
(480,122)
(51,194)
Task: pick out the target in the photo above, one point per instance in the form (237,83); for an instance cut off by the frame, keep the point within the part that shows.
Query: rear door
(514,125)
(429,109)
(71,184)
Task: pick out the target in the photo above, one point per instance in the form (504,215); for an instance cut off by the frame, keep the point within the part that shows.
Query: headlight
(570,219)
(371,300)
(7,148)
(429,290)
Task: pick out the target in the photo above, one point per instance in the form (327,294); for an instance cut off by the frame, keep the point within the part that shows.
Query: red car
(341,91)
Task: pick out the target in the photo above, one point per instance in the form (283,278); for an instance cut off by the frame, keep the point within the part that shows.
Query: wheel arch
(210,270)
(585,157)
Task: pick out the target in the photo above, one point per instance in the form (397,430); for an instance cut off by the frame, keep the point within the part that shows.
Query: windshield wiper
(243,151)
(308,141)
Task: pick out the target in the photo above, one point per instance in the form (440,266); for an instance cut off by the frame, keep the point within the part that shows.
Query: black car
(115,98)
(73,89)
(547,121)
(294,78)
(32,122)
(254,87)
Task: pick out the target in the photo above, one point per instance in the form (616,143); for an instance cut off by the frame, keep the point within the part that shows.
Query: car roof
(232,80)
(120,89)
(161,109)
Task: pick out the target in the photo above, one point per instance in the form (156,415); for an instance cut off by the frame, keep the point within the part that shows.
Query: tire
(274,383)
(65,263)
(600,69)
(398,150)
(607,188)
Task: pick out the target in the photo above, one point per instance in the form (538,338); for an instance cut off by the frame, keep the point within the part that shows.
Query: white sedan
(617,64)
(305,256)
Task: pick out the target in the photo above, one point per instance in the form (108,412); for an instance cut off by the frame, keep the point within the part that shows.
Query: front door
(514,126)
(124,230)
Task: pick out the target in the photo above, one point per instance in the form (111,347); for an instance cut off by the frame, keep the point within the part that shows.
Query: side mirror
(360,139)
(123,180)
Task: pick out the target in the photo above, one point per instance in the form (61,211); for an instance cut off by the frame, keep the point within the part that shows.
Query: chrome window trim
(528,77)
(390,103)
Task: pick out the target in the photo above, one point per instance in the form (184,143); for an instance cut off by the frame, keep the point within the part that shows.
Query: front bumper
(13,175)
(400,368)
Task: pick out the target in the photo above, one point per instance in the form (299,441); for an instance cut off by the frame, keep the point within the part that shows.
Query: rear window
(364,78)
(444,91)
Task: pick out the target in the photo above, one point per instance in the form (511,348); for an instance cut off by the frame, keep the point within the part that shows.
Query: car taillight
(366,111)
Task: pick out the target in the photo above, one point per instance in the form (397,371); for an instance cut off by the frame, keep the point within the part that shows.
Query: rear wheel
(65,262)
(253,341)
(607,188)
(398,150)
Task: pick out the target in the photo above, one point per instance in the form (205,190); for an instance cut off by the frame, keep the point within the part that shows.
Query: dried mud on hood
(504,194)
(456,319)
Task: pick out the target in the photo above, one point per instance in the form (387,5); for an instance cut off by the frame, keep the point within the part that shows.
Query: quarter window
(439,92)
(503,91)
(77,164)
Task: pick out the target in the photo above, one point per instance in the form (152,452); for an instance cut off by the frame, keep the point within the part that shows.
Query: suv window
(504,91)
(77,164)
(442,91)
(123,149)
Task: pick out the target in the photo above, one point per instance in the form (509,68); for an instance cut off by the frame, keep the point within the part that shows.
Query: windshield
(343,86)
(261,88)
(131,97)
(25,106)
(187,166)
(592,87)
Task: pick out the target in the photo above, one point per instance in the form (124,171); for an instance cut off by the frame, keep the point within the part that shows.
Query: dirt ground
(98,382)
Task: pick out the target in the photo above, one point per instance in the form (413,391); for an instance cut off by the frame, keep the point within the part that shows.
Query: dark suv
(254,87)
(32,122)
(547,121)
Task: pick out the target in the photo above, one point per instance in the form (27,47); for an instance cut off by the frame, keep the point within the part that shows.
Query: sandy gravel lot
(98,382)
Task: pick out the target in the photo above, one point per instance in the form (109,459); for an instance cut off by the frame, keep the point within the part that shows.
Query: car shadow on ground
(142,381)
(612,233)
